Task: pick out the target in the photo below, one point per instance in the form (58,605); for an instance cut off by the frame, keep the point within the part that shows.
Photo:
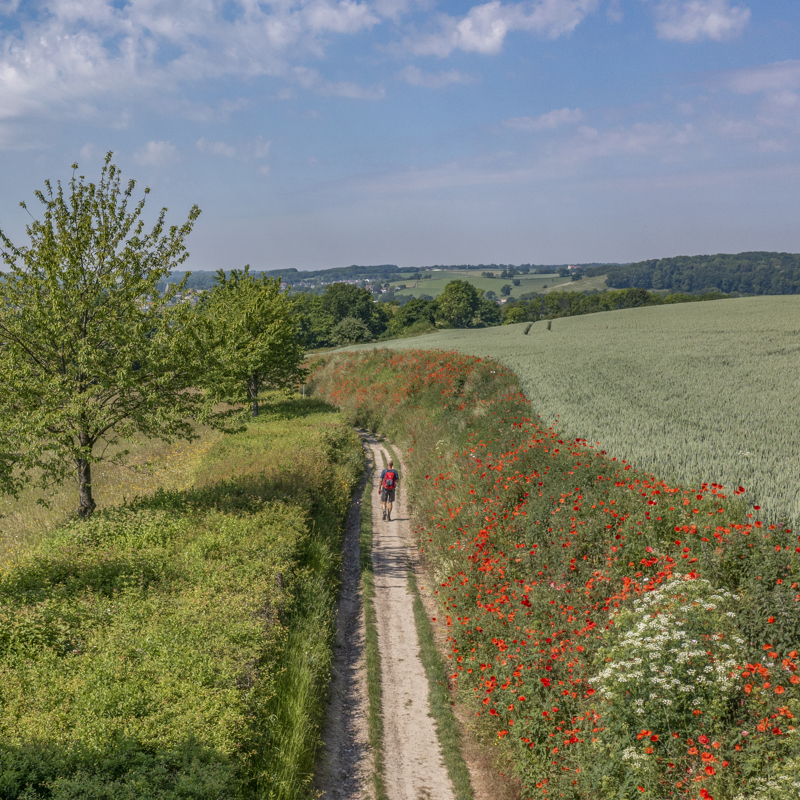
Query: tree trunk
(253,387)
(86,502)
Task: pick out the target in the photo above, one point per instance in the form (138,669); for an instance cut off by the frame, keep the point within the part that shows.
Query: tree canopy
(91,353)
(458,303)
(250,338)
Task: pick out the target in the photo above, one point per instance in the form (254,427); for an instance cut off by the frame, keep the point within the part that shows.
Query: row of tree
(742,273)
(98,345)
(92,354)
(533,306)
(346,314)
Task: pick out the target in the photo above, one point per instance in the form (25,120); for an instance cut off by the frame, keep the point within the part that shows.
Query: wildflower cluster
(588,606)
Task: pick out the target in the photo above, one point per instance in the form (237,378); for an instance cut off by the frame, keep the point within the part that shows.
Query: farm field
(534,283)
(695,392)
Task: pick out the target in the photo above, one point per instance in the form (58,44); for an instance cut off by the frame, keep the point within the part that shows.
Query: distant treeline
(743,273)
(346,314)
(205,280)
(533,306)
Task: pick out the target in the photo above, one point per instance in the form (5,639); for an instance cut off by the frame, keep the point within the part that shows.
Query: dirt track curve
(412,756)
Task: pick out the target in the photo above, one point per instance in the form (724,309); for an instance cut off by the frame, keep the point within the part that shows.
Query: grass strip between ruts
(373,655)
(438,694)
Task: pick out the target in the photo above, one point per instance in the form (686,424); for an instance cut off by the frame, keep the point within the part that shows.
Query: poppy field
(693,392)
(616,635)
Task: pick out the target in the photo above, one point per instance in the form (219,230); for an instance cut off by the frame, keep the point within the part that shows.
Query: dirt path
(345,766)
(412,756)
(414,768)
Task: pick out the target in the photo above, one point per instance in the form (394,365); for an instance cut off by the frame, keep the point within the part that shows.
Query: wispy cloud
(780,76)
(156,154)
(311,79)
(414,76)
(216,148)
(548,121)
(484,28)
(69,52)
(693,20)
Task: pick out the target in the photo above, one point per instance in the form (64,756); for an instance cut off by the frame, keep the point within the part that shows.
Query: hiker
(388,484)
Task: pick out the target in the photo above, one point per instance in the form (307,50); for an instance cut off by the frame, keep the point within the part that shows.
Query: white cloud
(343,17)
(216,148)
(88,152)
(261,147)
(311,79)
(264,169)
(484,27)
(614,11)
(692,20)
(548,121)
(156,154)
(778,77)
(83,51)
(416,77)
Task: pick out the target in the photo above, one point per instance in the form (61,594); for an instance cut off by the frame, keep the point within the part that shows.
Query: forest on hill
(742,273)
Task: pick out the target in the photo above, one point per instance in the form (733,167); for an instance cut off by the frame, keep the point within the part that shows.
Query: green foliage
(458,303)
(417,314)
(248,339)
(179,647)
(90,352)
(746,273)
(350,331)
(319,315)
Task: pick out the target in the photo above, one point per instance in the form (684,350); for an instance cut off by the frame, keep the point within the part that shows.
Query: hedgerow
(179,646)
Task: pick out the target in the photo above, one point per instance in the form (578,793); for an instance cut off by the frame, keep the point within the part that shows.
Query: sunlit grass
(151,465)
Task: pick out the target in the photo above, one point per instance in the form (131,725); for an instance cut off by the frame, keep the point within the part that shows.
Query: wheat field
(694,392)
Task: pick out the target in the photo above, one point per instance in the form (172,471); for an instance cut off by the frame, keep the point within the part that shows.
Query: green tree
(313,324)
(418,313)
(458,303)
(91,353)
(505,289)
(350,331)
(342,300)
(250,339)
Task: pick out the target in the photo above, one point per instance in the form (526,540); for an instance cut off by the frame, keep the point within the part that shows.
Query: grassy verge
(373,655)
(439,697)
(179,646)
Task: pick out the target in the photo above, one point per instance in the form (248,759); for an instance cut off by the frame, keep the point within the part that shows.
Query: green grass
(694,392)
(179,646)
(152,465)
(373,654)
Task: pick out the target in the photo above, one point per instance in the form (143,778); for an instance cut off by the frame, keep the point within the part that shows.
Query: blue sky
(317,133)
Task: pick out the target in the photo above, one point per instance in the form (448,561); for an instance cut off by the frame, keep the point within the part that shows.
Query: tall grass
(152,466)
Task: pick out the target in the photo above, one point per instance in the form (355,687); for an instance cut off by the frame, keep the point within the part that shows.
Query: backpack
(389,479)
